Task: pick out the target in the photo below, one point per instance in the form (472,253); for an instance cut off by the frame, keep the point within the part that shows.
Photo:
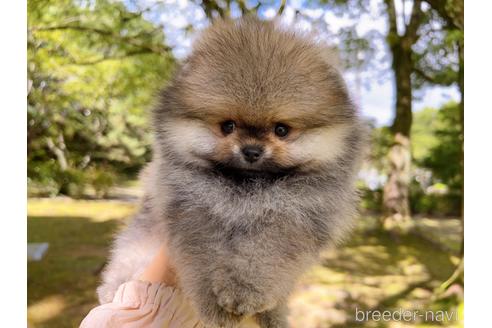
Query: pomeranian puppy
(257,147)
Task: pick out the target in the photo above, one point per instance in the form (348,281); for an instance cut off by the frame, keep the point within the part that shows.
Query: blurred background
(94,67)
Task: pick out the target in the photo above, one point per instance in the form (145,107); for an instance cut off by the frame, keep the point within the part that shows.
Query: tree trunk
(395,196)
(58,151)
(395,193)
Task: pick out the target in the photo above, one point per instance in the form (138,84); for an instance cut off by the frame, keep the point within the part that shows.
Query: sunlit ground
(372,271)
(377,271)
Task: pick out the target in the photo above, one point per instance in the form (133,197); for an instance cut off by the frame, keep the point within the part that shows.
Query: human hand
(160,269)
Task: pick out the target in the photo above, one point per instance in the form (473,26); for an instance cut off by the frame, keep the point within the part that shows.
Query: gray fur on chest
(214,209)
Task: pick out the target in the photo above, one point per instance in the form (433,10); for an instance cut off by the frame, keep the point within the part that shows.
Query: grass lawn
(61,287)
(373,270)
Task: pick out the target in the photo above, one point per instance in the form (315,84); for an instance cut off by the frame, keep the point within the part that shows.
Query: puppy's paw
(274,318)
(239,297)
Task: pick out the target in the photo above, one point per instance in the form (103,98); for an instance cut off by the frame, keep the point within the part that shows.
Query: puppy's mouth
(242,175)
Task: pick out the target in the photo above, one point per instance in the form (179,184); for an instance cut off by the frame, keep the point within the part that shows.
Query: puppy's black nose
(252,153)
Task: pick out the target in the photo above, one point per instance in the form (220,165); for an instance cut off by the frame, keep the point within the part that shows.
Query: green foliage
(93,68)
(371,200)
(101,181)
(440,204)
(425,123)
(435,55)
(381,140)
(436,141)
(445,158)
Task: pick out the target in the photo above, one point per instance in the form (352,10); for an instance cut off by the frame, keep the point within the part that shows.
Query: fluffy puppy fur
(257,145)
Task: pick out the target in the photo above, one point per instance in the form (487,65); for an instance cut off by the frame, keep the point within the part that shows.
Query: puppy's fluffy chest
(254,201)
(212,210)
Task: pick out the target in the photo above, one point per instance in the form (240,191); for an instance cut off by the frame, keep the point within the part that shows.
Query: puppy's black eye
(228,127)
(281,130)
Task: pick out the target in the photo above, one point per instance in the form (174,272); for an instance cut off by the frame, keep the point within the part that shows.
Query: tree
(415,46)
(400,43)
(417,43)
(223,9)
(92,70)
(452,13)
